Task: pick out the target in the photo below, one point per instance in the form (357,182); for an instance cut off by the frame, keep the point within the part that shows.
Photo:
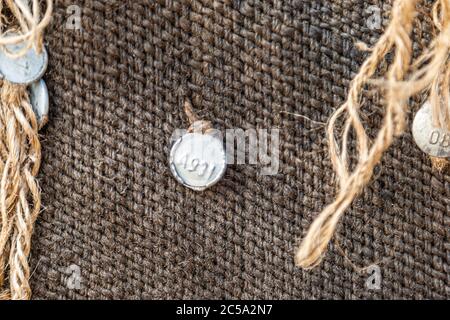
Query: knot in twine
(20,150)
(404,78)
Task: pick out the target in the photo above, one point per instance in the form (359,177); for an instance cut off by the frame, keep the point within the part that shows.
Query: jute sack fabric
(116,219)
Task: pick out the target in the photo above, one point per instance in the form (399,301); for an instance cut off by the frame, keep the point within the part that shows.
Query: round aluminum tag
(25,69)
(431,140)
(39,100)
(197,160)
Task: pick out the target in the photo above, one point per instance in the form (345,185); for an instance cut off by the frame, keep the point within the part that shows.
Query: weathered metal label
(432,140)
(25,69)
(39,100)
(197,160)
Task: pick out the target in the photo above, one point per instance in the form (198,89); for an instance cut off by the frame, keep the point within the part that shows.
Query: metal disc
(25,69)
(197,160)
(39,100)
(431,140)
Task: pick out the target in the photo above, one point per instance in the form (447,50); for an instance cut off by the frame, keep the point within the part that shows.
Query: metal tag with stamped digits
(25,69)
(39,101)
(197,160)
(432,140)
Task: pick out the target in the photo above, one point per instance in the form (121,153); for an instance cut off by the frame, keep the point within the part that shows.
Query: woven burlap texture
(113,209)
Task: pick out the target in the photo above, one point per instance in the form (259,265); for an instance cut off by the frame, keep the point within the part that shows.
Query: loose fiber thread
(402,80)
(20,154)
(196,125)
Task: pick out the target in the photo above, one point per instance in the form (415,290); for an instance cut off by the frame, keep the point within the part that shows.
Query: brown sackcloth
(113,209)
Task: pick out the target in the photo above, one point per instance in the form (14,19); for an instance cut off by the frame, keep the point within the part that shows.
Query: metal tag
(198,160)
(39,100)
(431,140)
(25,69)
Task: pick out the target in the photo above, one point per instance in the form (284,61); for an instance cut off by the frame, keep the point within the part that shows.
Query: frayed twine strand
(404,79)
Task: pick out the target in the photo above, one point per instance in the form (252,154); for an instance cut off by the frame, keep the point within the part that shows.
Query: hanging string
(20,151)
(403,80)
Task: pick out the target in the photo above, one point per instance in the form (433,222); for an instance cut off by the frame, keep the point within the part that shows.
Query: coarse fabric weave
(114,212)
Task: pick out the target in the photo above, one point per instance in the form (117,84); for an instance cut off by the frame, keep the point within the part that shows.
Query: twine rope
(403,80)
(20,153)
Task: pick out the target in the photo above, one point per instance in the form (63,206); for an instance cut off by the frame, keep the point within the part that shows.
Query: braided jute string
(20,152)
(403,79)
